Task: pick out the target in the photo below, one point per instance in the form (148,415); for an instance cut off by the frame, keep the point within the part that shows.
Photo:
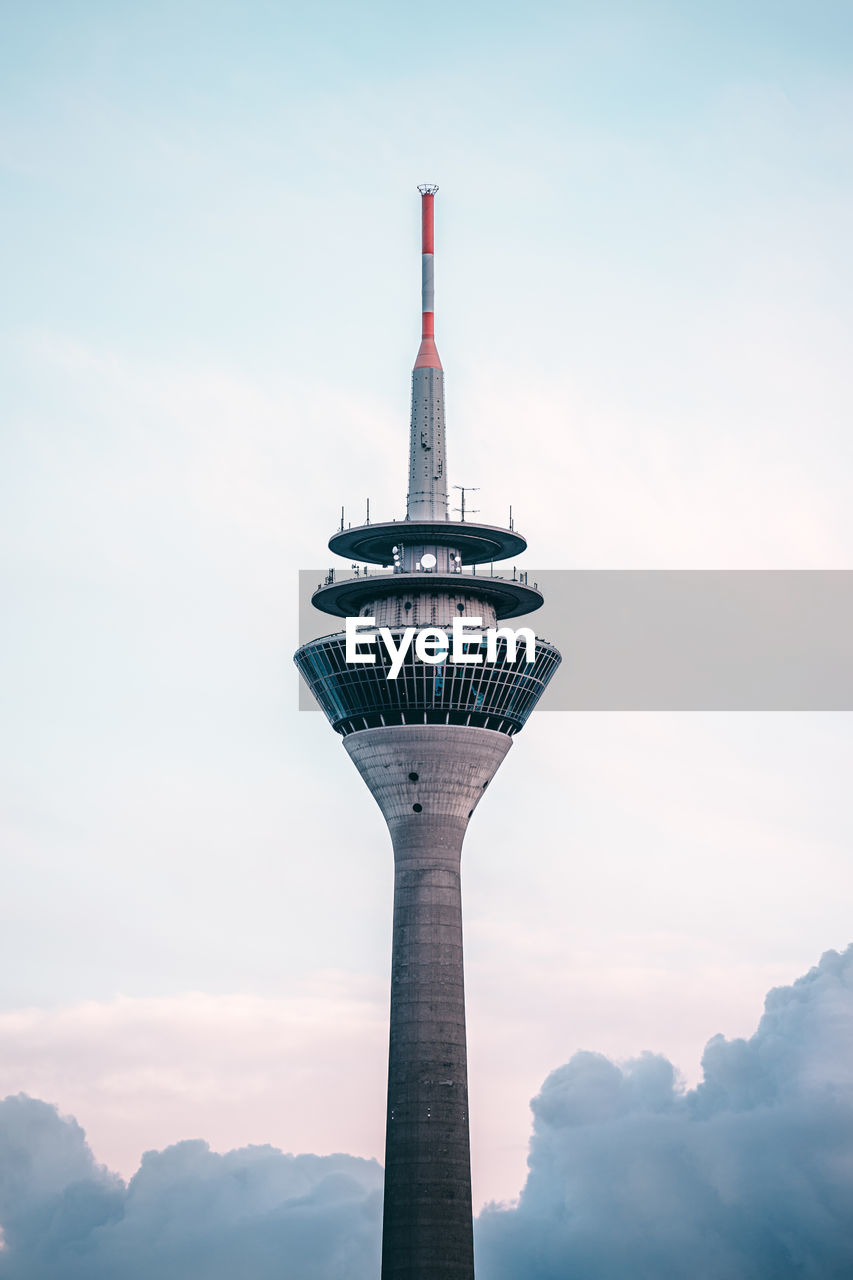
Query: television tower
(427,744)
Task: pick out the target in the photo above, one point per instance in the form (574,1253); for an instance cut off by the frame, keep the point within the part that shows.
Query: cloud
(749,1175)
(187,1212)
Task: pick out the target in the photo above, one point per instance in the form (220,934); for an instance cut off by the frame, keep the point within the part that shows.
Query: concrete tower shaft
(427,450)
(427,780)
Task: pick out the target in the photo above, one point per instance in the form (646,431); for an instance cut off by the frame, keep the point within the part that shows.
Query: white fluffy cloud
(187,1212)
(749,1175)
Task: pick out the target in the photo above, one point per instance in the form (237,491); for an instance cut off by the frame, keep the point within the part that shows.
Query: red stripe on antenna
(427,221)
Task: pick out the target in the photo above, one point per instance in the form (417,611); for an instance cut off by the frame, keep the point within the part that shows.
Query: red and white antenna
(427,458)
(427,355)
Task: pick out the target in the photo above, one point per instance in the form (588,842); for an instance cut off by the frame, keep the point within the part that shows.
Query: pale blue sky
(209,314)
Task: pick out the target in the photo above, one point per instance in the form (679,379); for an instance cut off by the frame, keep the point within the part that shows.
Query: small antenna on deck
(469,488)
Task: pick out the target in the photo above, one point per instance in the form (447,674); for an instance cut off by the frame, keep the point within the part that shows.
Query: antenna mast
(427,457)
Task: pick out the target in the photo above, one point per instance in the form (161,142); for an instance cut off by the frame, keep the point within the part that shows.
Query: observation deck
(498,695)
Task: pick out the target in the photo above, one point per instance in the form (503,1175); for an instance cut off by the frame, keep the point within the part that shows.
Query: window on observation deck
(446,693)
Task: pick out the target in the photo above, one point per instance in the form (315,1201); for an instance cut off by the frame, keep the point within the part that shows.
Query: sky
(210,310)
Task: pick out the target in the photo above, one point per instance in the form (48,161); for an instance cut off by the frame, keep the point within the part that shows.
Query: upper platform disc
(475,543)
(344,597)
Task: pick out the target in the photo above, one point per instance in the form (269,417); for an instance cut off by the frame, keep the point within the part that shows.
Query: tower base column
(427,780)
